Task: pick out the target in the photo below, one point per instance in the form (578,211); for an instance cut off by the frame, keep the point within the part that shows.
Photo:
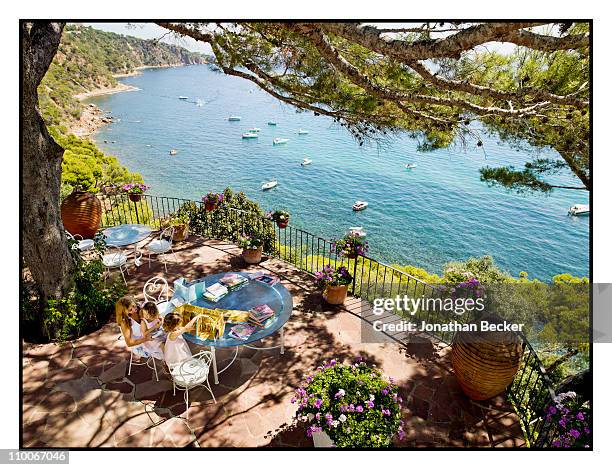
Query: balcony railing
(531,390)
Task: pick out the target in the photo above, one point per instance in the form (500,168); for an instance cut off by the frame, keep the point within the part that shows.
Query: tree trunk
(45,251)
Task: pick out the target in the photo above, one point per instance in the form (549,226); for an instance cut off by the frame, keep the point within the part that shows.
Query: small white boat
(269,185)
(254,129)
(279,141)
(306,161)
(250,135)
(302,132)
(200,102)
(271,123)
(579,209)
(183,97)
(357,231)
(410,166)
(234,118)
(173,152)
(360,205)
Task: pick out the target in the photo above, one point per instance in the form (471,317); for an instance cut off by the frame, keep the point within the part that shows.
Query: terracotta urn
(282,224)
(485,362)
(335,295)
(252,256)
(81,214)
(134,197)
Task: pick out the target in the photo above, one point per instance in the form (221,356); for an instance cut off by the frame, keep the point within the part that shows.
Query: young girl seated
(150,324)
(176,349)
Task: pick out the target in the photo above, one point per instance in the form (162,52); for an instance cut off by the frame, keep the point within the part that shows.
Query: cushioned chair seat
(164,308)
(159,246)
(190,373)
(86,245)
(114,260)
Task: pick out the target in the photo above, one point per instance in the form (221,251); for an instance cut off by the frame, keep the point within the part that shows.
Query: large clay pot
(335,295)
(485,362)
(81,214)
(181,232)
(252,256)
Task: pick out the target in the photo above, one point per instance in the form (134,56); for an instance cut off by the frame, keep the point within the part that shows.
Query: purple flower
(340,393)
(401,434)
(343,409)
(293,400)
(351,407)
(318,402)
(580,416)
(370,404)
(359,409)
(552,410)
(574,433)
(386,412)
(385,391)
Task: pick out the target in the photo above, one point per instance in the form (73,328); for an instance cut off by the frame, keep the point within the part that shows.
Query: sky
(153,31)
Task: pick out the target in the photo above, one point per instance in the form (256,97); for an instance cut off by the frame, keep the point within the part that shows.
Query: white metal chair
(192,373)
(115,258)
(162,245)
(82,244)
(156,290)
(140,353)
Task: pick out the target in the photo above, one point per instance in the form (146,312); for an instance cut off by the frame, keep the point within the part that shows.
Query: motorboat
(269,185)
(360,205)
(271,123)
(410,166)
(173,152)
(183,97)
(579,209)
(302,132)
(200,102)
(306,161)
(234,118)
(279,141)
(250,135)
(254,129)
(357,231)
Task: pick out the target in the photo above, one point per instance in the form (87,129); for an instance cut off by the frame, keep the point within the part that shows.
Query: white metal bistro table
(128,234)
(255,293)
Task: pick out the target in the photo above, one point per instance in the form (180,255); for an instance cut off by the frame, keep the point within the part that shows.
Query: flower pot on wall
(322,439)
(181,232)
(335,295)
(210,206)
(282,224)
(135,197)
(252,256)
(81,214)
(485,362)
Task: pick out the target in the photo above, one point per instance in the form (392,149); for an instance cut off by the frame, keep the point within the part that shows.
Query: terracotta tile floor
(78,394)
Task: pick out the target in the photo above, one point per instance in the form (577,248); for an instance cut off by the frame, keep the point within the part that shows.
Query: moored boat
(183,97)
(250,135)
(302,132)
(271,123)
(269,184)
(254,129)
(306,161)
(410,166)
(279,141)
(360,205)
(173,152)
(234,118)
(579,209)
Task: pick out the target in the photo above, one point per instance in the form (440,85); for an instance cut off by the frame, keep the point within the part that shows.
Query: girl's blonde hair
(122,308)
(171,321)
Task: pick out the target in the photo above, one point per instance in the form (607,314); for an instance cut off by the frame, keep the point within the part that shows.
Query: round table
(126,234)
(255,293)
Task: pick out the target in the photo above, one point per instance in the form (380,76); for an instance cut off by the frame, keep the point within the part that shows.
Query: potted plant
(280,217)
(212,200)
(252,248)
(350,406)
(350,246)
(334,283)
(180,223)
(135,190)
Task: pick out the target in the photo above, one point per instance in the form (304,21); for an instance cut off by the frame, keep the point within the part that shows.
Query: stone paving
(78,394)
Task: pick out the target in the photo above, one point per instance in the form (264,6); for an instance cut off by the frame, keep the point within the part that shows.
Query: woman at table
(176,349)
(128,318)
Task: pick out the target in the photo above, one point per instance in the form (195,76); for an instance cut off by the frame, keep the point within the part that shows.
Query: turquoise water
(435,213)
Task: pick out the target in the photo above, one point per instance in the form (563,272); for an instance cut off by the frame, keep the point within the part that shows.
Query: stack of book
(215,292)
(233,281)
(258,315)
(242,331)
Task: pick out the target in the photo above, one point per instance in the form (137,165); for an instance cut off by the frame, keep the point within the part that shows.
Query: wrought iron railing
(531,390)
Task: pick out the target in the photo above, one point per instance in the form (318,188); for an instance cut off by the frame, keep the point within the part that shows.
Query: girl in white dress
(150,324)
(176,349)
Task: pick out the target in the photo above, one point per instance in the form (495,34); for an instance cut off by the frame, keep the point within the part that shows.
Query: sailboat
(269,184)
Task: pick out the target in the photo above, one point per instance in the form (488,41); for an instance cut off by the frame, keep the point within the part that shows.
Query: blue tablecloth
(255,293)
(127,234)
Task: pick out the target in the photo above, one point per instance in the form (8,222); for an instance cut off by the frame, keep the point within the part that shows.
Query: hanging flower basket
(135,197)
(212,200)
(350,246)
(280,217)
(135,190)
